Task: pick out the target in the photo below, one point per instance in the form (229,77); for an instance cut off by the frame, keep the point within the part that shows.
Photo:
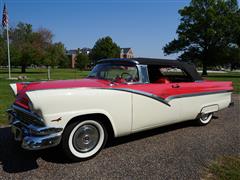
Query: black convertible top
(189,68)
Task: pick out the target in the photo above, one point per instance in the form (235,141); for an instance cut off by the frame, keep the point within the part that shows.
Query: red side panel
(163,90)
(184,88)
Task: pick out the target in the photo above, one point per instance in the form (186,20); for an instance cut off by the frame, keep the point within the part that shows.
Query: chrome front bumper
(33,137)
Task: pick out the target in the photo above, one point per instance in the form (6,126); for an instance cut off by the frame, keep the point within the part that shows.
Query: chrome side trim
(152,96)
(168,99)
(158,98)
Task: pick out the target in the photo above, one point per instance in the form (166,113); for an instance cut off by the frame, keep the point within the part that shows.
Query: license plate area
(17,132)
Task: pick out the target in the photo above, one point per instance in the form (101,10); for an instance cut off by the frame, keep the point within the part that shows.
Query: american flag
(5,16)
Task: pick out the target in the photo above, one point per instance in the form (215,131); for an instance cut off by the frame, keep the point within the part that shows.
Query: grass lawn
(224,168)
(234,77)
(6,96)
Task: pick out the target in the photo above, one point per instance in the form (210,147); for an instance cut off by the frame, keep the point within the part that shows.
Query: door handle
(175,86)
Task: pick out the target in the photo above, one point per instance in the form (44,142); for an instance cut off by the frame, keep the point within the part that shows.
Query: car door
(149,107)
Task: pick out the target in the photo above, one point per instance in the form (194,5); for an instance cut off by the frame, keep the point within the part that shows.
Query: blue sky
(144,25)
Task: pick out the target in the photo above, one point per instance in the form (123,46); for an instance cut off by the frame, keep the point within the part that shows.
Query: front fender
(59,106)
(62,119)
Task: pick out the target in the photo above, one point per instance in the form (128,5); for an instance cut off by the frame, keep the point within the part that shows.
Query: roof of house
(189,68)
(125,50)
(86,49)
(76,51)
(72,51)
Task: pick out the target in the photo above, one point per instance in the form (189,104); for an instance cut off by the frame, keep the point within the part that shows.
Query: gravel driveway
(179,151)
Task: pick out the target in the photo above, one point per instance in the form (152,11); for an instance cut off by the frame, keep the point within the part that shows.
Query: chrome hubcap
(205,117)
(85,138)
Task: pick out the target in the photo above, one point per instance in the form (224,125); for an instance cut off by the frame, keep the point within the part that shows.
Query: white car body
(81,113)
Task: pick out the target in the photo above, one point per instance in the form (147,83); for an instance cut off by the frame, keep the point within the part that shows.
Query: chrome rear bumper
(33,137)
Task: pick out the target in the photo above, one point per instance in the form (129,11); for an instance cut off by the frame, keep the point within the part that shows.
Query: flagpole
(9,61)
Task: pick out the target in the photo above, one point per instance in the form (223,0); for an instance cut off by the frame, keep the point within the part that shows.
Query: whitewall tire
(84,139)
(204,119)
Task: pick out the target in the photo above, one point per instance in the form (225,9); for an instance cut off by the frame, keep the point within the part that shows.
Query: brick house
(86,51)
(72,54)
(126,53)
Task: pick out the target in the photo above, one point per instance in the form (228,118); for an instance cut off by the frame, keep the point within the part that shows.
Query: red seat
(162,80)
(120,80)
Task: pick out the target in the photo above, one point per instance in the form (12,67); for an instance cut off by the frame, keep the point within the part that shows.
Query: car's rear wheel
(84,139)
(204,119)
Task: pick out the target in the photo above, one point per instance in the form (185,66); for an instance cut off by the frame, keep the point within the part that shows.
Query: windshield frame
(118,64)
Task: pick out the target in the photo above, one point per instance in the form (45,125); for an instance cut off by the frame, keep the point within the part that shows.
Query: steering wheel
(128,77)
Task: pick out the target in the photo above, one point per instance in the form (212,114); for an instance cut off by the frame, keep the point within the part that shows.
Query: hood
(20,89)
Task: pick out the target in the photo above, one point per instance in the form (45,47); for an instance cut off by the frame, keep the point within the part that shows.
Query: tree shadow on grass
(13,159)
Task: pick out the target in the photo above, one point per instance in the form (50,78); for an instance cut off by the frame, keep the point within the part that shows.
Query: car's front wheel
(204,119)
(84,139)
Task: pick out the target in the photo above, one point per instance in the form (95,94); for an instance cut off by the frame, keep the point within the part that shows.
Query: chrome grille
(27,118)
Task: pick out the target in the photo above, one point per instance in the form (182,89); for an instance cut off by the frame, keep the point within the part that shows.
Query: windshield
(115,73)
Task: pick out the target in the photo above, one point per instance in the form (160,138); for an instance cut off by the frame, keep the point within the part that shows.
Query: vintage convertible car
(119,97)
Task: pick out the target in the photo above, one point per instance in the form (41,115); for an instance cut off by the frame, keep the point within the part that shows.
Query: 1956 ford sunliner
(119,97)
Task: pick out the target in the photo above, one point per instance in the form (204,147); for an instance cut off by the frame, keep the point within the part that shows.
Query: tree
(208,29)
(232,55)
(3,55)
(55,55)
(34,47)
(82,61)
(105,48)
(28,46)
(45,36)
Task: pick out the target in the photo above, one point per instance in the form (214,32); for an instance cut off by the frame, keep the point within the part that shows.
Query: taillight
(23,101)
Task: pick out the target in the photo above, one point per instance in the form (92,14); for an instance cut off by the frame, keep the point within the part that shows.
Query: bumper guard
(33,137)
